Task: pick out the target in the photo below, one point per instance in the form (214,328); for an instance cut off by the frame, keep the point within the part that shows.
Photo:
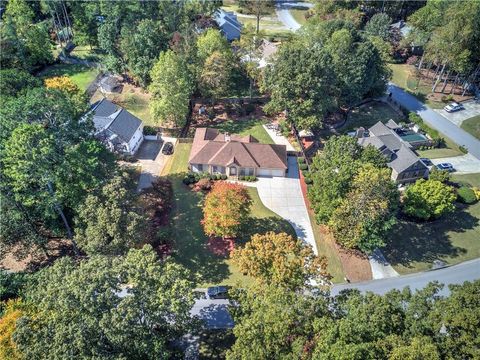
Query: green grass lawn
(80,75)
(454,238)
(472,180)
(190,242)
(299,15)
(369,114)
(448,150)
(326,248)
(472,126)
(246,127)
(87,53)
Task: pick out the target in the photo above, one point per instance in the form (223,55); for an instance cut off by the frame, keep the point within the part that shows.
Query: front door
(233,171)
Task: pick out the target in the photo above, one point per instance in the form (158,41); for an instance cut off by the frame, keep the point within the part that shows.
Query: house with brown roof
(234,155)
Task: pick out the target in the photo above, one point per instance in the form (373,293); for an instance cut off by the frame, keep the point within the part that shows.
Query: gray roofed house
(228,23)
(120,130)
(405,164)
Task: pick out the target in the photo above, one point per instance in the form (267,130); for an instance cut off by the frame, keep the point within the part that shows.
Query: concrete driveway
(472,108)
(466,164)
(283,196)
(213,312)
(152,161)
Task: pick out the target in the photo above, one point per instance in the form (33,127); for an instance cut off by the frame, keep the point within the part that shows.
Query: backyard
(245,127)
(472,126)
(369,114)
(81,75)
(132,98)
(190,242)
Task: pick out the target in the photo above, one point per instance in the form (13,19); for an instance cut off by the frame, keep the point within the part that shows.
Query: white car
(453,107)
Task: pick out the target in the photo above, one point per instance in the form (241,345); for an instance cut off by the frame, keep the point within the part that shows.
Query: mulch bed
(219,246)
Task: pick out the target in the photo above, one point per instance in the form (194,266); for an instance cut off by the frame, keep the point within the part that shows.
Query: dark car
(426,161)
(167,148)
(445,166)
(217,292)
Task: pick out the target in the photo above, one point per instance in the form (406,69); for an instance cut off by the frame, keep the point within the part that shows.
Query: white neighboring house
(228,23)
(119,130)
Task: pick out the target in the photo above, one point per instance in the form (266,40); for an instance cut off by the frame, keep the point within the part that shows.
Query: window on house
(200,167)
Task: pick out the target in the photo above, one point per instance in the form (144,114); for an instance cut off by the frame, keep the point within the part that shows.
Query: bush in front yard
(301,160)
(224,177)
(466,195)
(303,166)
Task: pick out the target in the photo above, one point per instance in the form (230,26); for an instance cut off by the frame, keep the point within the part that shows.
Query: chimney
(227,137)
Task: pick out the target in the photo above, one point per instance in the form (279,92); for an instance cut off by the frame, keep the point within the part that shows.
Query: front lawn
(454,238)
(472,180)
(81,75)
(252,127)
(369,114)
(299,15)
(472,126)
(190,242)
(450,149)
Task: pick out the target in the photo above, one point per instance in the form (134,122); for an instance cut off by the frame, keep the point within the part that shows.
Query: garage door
(270,172)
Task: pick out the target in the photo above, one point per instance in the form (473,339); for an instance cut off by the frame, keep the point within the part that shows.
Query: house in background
(228,23)
(119,130)
(405,164)
(234,155)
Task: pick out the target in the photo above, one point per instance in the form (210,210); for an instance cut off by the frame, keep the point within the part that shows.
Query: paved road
(436,121)
(457,274)
(283,13)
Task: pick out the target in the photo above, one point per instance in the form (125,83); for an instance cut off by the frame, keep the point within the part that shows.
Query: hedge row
(192,178)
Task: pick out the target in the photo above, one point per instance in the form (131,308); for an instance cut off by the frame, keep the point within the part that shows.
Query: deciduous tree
(280,259)
(132,307)
(367,212)
(109,223)
(226,209)
(11,314)
(259,8)
(427,199)
(379,25)
(171,89)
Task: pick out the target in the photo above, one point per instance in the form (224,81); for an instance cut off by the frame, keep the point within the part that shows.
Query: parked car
(445,166)
(217,292)
(167,148)
(426,161)
(453,107)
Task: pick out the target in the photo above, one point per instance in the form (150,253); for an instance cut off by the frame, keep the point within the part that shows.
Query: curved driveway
(283,13)
(456,274)
(436,121)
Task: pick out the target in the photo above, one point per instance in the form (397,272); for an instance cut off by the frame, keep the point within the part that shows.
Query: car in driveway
(445,166)
(427,162)
(217,292)
(453,107)
(167,148)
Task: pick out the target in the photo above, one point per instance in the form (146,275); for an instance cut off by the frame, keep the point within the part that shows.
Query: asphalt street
(436,120)
(456,274)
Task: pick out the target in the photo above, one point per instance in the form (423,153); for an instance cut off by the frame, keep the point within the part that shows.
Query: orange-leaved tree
(63,83)
(226,209)
(8,348)
(280,259)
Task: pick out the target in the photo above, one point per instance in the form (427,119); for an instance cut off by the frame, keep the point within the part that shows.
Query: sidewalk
(278,139)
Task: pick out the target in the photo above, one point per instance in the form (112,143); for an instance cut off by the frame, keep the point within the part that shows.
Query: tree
(215,78)
(14,81)
(379,25)
(280,259)
(427,199)
(12,313)
(259,8)
(332,173)
(132,307)
(272,322)
(109,223)
(69,88)
(209,42)
(226,209)
(367,212)
(440,175)
(419,348)
(171,89)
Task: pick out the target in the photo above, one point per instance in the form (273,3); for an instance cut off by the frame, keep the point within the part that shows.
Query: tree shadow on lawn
(263,225)
(427,241)
(191,243)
